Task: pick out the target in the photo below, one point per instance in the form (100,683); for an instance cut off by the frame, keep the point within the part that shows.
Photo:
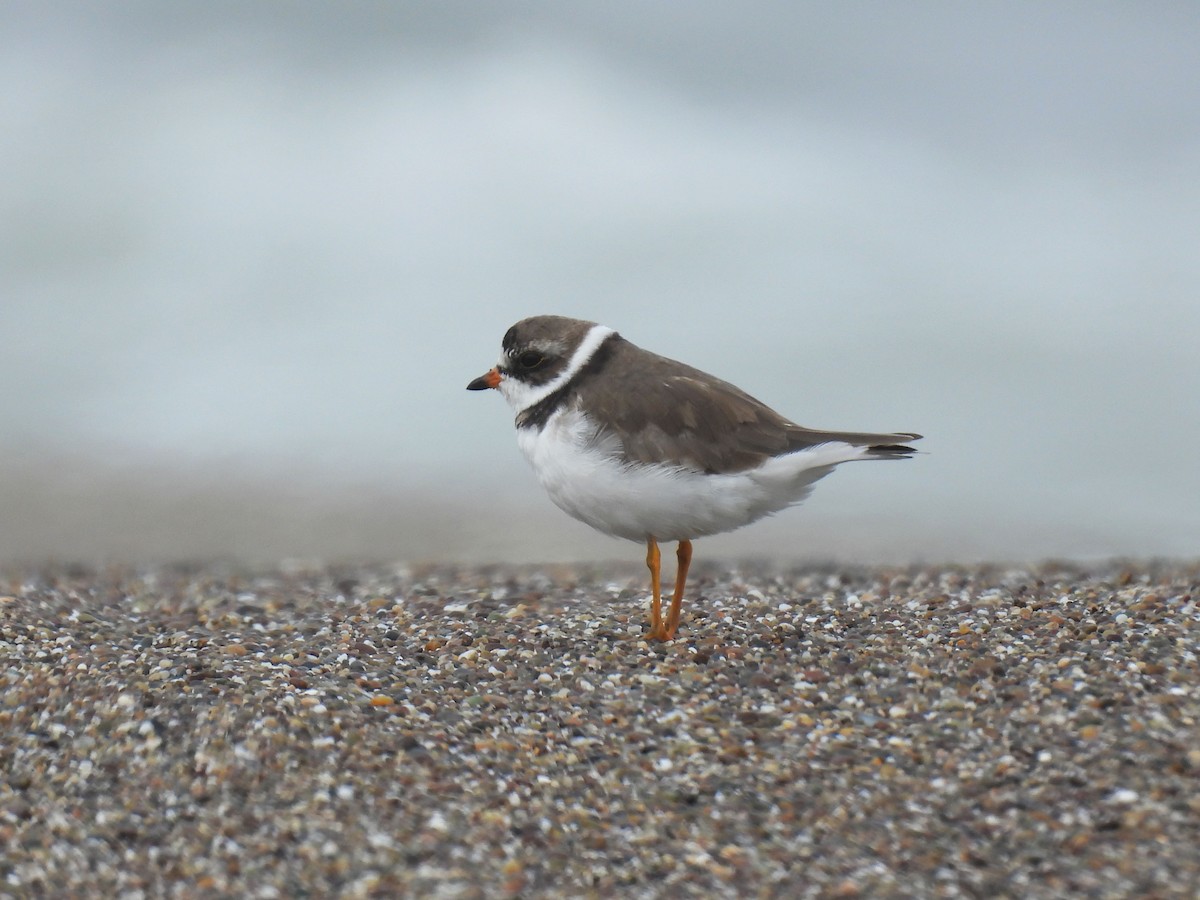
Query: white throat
(521,396)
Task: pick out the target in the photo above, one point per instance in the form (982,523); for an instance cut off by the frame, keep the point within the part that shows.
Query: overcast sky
(261,248)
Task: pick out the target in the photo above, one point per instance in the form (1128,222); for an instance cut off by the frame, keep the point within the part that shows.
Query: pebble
(497,731)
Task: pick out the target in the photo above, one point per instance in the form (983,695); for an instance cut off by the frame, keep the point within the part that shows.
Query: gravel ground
(484,732)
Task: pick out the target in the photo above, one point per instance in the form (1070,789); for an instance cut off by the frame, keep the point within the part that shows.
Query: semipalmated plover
(646,448)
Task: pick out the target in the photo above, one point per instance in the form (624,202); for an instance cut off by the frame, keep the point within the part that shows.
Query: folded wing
(690,419)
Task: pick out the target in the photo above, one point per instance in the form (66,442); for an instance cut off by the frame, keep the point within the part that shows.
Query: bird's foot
(660,632)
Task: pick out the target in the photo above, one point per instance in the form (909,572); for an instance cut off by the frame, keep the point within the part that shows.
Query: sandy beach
(372,731)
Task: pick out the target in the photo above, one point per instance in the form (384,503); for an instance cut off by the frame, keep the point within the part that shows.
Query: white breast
(582,472)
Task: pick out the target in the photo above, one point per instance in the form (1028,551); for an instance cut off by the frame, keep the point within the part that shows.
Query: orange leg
(654,564)
(683,555)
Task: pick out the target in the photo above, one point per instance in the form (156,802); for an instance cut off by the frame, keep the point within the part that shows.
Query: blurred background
(252,253)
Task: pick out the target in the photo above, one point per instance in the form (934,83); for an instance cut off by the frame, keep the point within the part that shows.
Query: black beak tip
(479,384)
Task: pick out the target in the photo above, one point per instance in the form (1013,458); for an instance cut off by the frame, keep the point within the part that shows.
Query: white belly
(585,477)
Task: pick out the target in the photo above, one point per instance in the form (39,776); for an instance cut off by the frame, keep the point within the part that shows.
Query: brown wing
(686,417)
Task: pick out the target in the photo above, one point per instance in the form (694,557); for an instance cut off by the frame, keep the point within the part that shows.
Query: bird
(645,448)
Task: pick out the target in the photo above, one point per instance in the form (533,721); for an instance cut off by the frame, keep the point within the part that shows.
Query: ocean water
(251,255)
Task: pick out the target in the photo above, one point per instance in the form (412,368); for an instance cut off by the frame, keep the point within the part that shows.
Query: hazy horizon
(251,255)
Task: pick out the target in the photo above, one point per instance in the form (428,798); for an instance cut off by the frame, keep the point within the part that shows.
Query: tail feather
(878,446)
(892,451)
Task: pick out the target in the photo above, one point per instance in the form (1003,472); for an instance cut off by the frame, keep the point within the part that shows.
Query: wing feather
(686,417)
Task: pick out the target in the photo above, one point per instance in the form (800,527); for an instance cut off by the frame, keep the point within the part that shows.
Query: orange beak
(489,380)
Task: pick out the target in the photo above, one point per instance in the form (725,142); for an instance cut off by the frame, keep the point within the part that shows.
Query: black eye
(530,359)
